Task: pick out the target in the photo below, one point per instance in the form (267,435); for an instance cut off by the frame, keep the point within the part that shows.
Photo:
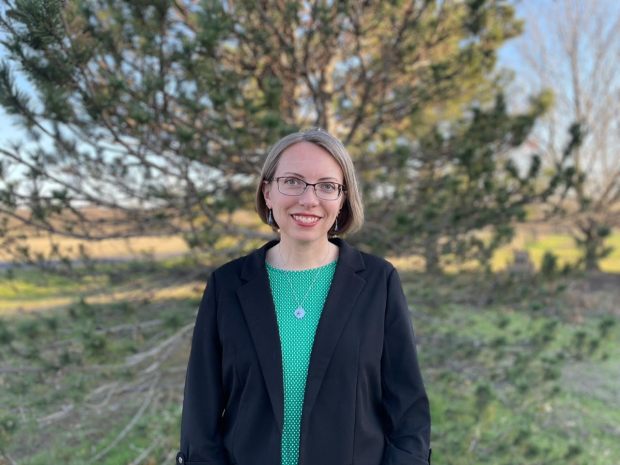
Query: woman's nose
(308,197)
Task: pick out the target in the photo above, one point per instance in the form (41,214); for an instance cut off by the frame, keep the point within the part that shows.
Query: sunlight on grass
(45,292)
(175,292)
(43,286)
(562,245)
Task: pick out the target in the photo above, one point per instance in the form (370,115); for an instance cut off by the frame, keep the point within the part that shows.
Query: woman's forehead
(310,161)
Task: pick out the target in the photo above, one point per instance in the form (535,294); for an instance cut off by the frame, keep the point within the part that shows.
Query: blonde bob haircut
(351,216)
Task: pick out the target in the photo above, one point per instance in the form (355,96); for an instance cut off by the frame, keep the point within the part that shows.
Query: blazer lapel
(260,315)
(259,311)
(341,299)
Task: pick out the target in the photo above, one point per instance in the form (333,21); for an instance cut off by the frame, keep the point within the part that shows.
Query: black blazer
(365,402)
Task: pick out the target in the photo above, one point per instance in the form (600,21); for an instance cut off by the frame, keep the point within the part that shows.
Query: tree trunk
(431,255)
(591,243)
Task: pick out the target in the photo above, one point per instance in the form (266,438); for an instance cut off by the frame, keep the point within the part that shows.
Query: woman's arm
(405,402)
(203,402)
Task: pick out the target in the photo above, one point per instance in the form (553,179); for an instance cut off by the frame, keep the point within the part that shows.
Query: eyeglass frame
(341,187)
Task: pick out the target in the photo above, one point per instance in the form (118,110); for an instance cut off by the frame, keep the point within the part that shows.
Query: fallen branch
(9,459)
(63,412)
(139,414)
(135,359)
(110,387)
(19,369)
(138,460)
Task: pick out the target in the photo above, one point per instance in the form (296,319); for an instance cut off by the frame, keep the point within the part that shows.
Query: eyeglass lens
(295,186)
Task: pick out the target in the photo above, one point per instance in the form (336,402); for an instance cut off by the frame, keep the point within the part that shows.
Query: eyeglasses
(325,190)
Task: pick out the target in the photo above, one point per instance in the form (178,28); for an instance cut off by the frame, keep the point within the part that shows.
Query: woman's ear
(267,193)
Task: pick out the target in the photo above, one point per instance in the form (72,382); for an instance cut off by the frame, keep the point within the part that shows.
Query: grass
(171,248)
(118,248)
(518,380)
(36,285)
(81,368)
(514,366)
(562,245)
(27,290)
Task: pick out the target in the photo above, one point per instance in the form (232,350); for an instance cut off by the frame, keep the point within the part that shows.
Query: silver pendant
(300,312)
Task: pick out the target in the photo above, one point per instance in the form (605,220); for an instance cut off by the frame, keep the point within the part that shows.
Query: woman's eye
(292,181)
(327,187)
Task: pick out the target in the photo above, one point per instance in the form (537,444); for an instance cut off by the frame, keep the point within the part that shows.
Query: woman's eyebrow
(290,173)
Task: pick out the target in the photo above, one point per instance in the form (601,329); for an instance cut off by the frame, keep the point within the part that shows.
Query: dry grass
(158,247)
(111,248)
(536,239)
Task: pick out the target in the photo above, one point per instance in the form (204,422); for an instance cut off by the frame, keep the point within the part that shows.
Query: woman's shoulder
(377,262)
(249,262)
(374,263)
(232,267)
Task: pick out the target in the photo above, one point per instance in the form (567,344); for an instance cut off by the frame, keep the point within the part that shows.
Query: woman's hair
(351,216)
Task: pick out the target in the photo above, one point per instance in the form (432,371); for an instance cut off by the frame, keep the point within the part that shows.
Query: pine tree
(157,114)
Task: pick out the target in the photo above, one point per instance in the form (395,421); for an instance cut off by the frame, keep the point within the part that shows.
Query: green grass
(514,379)
(94,420)
(38,285)
(27,290)
(49,283)
(83,444)
(510,370)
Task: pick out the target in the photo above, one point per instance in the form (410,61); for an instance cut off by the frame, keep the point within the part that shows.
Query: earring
(270,218)
(336,226)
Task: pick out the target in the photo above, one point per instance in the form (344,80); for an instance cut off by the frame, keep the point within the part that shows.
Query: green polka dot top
(297,323)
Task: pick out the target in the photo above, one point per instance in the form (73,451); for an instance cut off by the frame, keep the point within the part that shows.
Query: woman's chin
(303,234)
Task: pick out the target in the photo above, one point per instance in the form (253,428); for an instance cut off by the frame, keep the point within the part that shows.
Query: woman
(303,351)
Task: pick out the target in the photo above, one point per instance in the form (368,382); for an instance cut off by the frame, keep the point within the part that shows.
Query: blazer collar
(259,311)
(254,263)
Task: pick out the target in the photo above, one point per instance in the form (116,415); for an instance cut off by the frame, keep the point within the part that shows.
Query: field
(519,369)
(535,239)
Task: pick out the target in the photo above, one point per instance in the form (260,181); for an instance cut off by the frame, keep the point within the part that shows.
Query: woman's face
(304,218)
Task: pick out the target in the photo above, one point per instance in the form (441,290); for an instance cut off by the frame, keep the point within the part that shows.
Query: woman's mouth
(306,220)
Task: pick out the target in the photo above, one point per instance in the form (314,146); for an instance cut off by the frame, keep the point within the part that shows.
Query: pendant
(300,312)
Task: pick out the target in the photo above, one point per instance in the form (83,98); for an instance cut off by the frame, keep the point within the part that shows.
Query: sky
(5,122)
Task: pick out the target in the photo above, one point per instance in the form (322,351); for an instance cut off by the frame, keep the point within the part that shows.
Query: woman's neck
(292,256)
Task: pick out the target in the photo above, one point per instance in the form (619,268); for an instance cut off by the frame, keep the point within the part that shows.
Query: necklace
(300,311)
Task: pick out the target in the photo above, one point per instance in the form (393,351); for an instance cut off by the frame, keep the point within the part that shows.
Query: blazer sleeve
(405,402)
(203,401)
